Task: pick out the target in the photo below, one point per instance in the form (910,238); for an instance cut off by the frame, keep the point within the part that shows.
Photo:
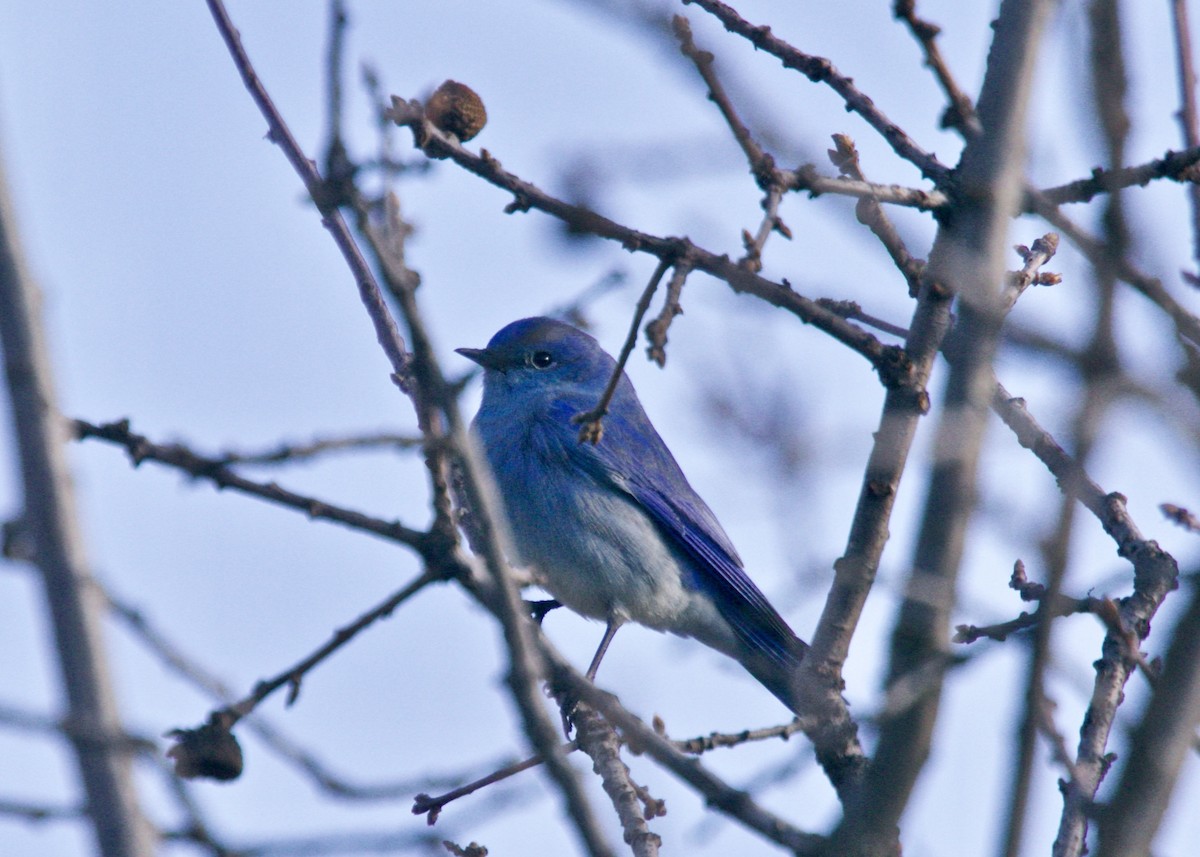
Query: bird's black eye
(542,359)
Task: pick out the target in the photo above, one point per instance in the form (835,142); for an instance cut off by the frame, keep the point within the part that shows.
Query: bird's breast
(595,547)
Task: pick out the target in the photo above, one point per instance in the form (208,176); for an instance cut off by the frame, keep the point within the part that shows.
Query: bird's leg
(568,701)
(609,633)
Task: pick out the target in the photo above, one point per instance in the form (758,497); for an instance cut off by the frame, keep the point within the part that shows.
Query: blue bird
(613,529)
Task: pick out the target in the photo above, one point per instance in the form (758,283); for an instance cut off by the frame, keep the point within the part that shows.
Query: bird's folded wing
(632,459)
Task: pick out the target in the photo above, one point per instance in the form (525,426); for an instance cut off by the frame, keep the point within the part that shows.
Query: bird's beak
(486,359)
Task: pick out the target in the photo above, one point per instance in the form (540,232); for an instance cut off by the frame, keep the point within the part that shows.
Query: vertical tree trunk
(50,524)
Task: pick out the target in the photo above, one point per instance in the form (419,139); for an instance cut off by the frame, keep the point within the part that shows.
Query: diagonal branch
(505,602)
(762,165)
(1187,324)
(214,470)
(1163,739)
(368,289)
(968,256)
(821,70)
(174,658)
(1188,118)
(870,213)
(960,113)
(889,362)
(1155,574)
(736,804)
(1176,166)
(590,428)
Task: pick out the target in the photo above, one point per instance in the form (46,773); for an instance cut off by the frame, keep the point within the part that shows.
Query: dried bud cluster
(456,109)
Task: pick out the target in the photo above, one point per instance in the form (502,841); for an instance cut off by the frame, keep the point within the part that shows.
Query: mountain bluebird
(613,528)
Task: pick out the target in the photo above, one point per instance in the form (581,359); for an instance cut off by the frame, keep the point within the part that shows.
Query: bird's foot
(567,702)
(539,609)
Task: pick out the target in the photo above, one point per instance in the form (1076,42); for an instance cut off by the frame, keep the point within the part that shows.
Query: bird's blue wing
(632,458)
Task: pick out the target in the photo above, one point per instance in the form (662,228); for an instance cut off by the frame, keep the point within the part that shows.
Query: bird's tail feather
(780,675)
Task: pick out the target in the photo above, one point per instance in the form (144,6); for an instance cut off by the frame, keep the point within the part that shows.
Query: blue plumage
(614,529)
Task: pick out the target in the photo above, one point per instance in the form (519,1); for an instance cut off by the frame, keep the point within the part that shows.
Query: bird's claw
(567,702)
(539,609)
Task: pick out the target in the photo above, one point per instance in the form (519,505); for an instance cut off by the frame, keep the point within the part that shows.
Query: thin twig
(1180,516)
(641,738)
(807,179)
(714,740)
(960,114)
(431,806)
(762,165)
(385,327)
(821,70)
(1188,119)
(1001,631)
(770,223)
(599,740)
(699,745)
(180,457)
(887,361)
(851,309)
(287,453)
(1034,257)
(1186,323)
(293,676)
(656,330)
(590,428)
(1151,563)
(772,181)
(870,213)
(170,654)
(1176,166)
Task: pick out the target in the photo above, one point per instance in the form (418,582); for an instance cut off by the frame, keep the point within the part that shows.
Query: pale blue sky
(190,288)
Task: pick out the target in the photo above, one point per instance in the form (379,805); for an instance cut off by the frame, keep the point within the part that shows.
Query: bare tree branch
(1155,575)
(506,604)
(50,521)
(177,456)
(599,740)
(1162,740)
(821,70)
(870,213)
(1189,121)
(643,739)
(887,361)
(1176,166)
(967,256)
(288,453)
(278,133)
(590,428)
(960,113)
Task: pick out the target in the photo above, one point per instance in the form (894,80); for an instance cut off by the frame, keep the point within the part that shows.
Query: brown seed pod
(455,108)
(209,751)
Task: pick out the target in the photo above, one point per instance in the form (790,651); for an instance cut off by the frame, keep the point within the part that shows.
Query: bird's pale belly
(601,555)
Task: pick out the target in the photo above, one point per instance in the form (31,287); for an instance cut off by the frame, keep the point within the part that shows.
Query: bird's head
(542,354)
